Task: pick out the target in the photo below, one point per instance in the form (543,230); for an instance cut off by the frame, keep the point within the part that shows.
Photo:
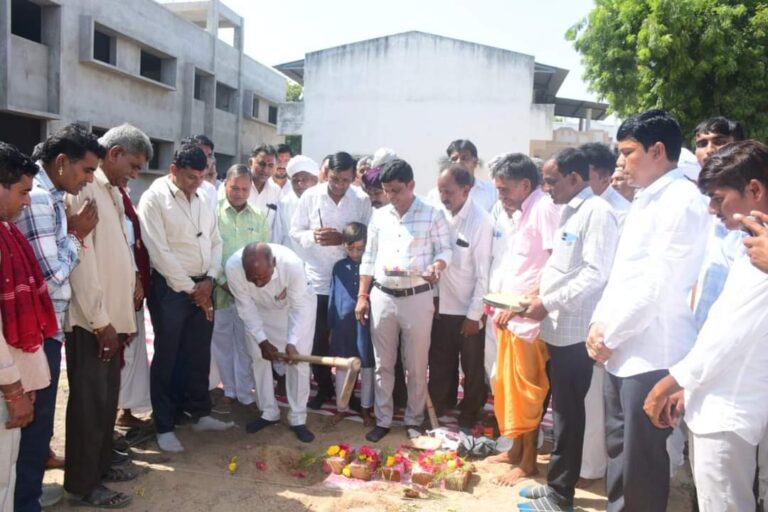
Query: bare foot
(513,477)
(512,456)
(368,419)
(336,418)
(586,483)
(499,458)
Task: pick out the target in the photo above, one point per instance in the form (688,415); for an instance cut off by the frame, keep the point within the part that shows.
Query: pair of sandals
(103,497)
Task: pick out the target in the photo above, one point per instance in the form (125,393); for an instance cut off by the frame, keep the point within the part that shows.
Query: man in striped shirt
(409,245)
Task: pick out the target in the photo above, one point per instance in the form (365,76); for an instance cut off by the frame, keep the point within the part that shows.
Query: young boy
(350,338)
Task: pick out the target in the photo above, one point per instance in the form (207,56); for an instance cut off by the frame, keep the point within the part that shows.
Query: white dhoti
(134,376)
(228,348)
(296,376)
(594,458)
(9,453)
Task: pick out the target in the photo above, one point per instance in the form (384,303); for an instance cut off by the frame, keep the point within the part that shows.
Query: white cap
(301,163)
(382,156)
(689,164)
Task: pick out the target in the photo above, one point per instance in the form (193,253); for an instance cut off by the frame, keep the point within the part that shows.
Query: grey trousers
(638,463)
(407,320)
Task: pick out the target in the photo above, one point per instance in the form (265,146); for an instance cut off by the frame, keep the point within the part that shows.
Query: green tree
(293,92)
(695,58)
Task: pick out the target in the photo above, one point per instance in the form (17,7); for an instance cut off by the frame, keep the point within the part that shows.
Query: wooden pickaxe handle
(352,366)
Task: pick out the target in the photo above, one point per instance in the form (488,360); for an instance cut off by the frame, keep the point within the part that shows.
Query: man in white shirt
(725,376)
(302,174)
(643,324)
(408,248)
(458,331)
(571,284)
(602,163)
(322,214)
(207,186)
(277,305)
(180,232)
(280,175)
(464,152)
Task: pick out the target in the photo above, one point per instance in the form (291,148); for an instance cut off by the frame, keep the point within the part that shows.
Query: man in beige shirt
(21,372)
(100,321)
(181,234)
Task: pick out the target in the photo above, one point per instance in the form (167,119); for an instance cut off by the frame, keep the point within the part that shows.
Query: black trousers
(181,332)
(638,463)
(569,378)
(446,346)
(94,387)
(321,346)
(36,437)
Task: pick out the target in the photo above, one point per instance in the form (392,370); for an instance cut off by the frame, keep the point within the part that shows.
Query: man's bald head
(258,263)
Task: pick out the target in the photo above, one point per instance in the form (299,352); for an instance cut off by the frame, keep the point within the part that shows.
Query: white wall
(415,93)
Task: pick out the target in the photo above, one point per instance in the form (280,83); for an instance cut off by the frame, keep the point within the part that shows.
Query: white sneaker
(168,442)
(210,423)
(52,494)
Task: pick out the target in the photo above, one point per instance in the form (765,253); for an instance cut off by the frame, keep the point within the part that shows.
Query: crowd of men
(628,298)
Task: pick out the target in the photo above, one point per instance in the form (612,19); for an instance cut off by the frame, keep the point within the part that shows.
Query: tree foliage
(696,58)
(293,92)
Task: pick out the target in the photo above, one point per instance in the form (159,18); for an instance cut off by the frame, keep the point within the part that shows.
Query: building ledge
(28,112)
(121,72)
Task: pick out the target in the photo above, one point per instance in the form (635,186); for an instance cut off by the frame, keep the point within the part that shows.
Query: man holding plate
(409,245)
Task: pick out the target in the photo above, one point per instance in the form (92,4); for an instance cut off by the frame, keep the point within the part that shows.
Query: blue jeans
(36,437)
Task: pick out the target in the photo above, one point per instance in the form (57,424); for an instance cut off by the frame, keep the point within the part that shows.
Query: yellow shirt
(237,229)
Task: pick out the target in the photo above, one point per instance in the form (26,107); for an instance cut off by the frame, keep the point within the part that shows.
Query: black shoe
(259,424)
(376,434)
(119,457)
(317,402)
(303,434)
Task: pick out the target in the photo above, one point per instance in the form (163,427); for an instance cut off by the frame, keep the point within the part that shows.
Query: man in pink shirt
(521,380)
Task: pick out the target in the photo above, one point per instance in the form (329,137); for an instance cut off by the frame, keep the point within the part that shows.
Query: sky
(278,32)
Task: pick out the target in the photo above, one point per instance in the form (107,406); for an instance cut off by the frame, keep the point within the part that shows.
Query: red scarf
(26,307)
(140,253)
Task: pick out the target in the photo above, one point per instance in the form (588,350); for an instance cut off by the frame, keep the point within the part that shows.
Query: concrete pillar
(51,37)
(212,24)
(187,88)
(588,123)
(5,51)
(238,42)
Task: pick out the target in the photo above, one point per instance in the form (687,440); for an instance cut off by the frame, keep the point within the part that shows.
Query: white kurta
(282,312)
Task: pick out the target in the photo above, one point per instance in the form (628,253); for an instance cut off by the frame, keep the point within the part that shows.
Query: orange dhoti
(521,383)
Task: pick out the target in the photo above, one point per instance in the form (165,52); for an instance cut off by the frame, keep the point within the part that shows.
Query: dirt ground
(272,474)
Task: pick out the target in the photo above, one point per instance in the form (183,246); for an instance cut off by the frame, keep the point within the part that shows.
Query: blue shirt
(723,248)
(349,338)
